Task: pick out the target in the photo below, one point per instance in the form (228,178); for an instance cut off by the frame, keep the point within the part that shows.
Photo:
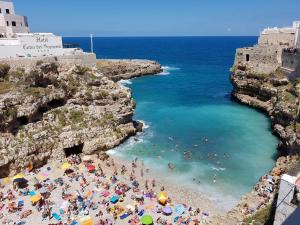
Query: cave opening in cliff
(55,103)
(75,150)
(4,171)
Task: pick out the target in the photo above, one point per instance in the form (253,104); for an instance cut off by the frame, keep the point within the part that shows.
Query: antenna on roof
(92,44)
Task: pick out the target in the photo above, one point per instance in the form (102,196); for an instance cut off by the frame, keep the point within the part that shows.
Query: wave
(170,68)
(167,69)
(145,125)
(125,82)
(218,168)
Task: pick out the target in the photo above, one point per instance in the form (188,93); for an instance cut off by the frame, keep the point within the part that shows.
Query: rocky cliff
(126,69)
(274,94)
(52,110)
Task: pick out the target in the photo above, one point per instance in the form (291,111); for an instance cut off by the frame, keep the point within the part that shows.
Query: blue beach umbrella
(114,199)
(179,209)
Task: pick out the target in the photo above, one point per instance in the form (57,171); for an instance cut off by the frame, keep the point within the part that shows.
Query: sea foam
(125,82)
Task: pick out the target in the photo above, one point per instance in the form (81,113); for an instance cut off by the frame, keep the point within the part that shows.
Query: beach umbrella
(35,198)
(147,220)
(91,168)
(105,194)
(87,220)
(179,209)
(167,211)
(114,199)
(20,180)
(66,166)
(162,198)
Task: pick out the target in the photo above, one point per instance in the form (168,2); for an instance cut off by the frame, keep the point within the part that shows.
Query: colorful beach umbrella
(18,176)
(162,198)
(36,198)
(114,199)
(179,209)
(91,168)
(20,180)
(147,220)
(87,220)
(167,211)
(66,166)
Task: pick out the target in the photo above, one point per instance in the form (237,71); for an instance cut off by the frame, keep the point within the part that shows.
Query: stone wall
(291,63)
(285,39)
(259,59)
(83,59)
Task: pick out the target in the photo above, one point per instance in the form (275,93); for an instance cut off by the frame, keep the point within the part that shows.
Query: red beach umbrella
(91,168)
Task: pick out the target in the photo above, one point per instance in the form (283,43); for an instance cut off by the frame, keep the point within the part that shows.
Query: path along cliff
(50,109)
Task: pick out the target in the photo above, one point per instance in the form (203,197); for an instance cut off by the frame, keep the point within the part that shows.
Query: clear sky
(157,17)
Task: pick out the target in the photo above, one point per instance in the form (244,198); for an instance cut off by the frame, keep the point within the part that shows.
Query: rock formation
(52,110)
(127,69)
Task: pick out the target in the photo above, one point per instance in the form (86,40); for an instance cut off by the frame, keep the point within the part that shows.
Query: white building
(286,36)
(16,41)
(11,23)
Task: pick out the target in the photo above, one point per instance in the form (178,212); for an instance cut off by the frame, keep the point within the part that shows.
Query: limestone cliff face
(274,94)
(53,110)
(127,69)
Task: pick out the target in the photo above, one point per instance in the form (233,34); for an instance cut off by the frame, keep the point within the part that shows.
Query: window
(247,57)
(13,23)
(7,11)
(21,24)
(0,10)
(7,23)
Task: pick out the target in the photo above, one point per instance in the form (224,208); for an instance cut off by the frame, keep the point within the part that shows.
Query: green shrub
(81,70)
(264,216)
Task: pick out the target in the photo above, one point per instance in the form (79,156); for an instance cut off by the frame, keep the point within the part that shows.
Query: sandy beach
(84,195)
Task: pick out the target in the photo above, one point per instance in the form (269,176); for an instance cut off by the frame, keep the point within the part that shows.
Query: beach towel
(124,216)
(141,213)
(56,216)
(32,193)
(74,223)
(20,203)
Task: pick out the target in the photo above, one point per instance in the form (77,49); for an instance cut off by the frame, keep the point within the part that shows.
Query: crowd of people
(90,191)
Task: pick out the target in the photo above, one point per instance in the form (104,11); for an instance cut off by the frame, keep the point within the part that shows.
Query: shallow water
(188,110)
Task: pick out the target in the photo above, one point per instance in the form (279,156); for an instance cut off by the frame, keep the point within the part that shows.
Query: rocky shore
(51,110)
(127,69)
(278,97)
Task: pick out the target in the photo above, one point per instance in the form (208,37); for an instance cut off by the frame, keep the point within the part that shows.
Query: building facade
(11,23)
(17,42)
(275,49)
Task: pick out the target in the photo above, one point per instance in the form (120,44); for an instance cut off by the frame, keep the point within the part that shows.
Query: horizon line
(172,36)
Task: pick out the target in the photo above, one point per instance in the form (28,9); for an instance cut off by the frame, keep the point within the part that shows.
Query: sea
(195,133)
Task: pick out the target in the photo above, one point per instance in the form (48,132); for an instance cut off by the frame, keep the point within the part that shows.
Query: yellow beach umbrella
(66,166)
(87,220)
(162,198)
(19,176)
(36,198)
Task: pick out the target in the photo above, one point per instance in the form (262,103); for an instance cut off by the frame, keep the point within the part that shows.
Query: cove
(215,144)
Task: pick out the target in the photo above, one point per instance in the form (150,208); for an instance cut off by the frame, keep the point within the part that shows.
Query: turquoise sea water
(188,108)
